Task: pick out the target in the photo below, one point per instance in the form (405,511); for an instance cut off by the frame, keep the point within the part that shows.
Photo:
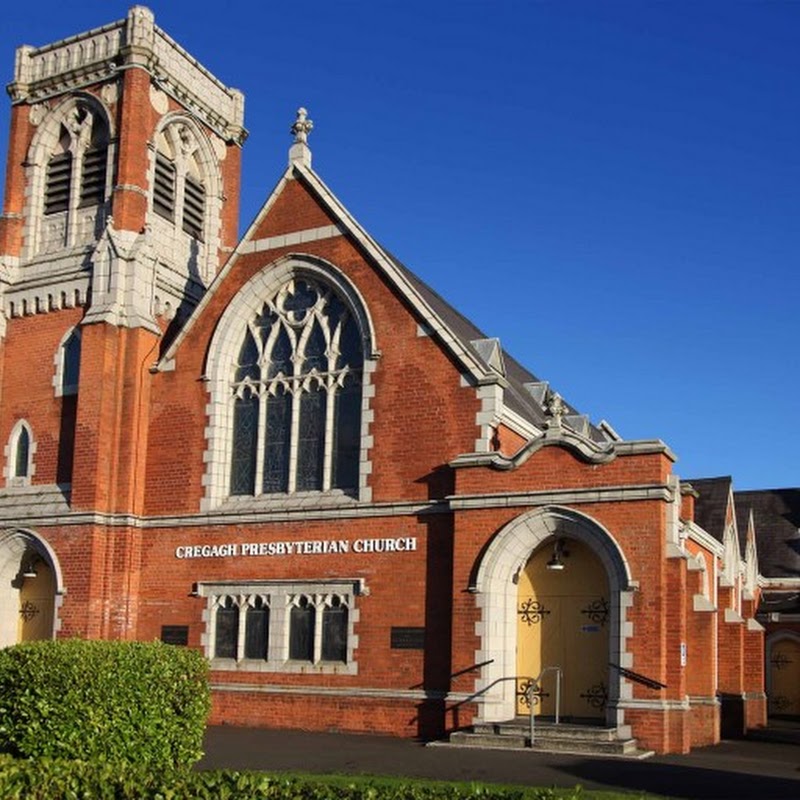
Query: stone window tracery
(282,626)
(71,159)
(297,395)
(179,182)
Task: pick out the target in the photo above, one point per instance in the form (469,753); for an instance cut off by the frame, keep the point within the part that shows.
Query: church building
(287,451)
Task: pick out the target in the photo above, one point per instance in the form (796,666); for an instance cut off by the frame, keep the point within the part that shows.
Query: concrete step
(548,737)
(548,729)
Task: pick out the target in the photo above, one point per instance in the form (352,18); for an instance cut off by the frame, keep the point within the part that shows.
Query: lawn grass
(475,789)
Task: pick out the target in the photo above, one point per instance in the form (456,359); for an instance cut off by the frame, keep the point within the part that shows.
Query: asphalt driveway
(766,767)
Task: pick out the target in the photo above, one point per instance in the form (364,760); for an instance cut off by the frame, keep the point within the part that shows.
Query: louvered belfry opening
(164,187)
(194,206)
(59,181)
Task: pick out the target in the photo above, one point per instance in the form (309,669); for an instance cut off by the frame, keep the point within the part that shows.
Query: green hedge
(68,780)
(117,702)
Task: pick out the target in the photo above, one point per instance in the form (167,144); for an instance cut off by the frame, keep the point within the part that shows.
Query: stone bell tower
(121,204)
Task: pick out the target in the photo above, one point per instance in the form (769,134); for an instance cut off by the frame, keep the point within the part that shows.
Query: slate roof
(516,397)
(712,504)
(776,514)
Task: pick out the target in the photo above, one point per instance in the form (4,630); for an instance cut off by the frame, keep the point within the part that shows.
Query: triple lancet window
(297,395)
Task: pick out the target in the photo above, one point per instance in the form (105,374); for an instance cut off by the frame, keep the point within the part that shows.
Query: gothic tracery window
(297,395)
(75,178)
(179,187)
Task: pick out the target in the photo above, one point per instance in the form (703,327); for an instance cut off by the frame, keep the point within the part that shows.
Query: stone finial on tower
(300,152)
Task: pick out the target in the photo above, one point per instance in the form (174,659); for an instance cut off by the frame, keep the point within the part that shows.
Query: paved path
(740,770)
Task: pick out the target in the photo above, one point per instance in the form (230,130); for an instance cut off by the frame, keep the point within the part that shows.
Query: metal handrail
(532,683)
(535,682)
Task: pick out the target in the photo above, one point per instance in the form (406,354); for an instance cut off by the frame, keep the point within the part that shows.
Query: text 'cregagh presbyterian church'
(287,451)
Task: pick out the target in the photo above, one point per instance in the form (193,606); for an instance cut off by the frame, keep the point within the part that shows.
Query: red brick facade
(127,493)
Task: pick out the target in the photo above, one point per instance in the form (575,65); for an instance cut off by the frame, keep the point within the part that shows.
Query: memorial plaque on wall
(175,634)
(408,638)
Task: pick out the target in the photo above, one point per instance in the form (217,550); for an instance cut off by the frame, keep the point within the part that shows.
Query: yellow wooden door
(784,667)
(36,605)
(563,620)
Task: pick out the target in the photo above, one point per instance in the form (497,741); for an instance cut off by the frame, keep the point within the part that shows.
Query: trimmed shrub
(116,702)
(68,780)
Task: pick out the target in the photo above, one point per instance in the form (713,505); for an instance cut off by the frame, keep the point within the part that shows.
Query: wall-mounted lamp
(560,552)
(29,570)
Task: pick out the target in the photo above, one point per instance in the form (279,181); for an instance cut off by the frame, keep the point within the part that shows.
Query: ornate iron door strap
(781,661)
(532,611)
(28,611)
(529,692)
(596,696)
(597,611)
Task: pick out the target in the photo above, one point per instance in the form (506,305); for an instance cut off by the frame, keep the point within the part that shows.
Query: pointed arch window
(179,186)
(80,160)
(22,454)
(19,455)
(297,386)
(68,364)
(76,176)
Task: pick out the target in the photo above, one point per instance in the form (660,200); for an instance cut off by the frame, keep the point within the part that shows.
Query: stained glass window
(301,631)
(22,453)
(302,356)
(227,635)
(334,631)
(256,632)
(71,363)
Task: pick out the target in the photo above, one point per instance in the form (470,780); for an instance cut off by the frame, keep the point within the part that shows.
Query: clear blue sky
(611,188)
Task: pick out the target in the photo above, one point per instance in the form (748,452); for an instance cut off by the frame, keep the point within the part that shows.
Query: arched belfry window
(72,152)
(179,183)
(296,393)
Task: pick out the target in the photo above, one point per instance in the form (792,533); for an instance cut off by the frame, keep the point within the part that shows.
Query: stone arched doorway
(513,572)
(30,586)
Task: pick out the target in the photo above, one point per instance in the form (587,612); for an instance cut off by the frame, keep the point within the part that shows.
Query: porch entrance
(563,615)
(28,588)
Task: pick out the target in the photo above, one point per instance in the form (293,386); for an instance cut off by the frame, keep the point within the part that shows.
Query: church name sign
(309,547)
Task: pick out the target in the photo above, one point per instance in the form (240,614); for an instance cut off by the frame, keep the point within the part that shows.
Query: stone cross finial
(302,127)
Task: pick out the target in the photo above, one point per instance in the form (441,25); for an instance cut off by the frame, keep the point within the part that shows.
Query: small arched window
(301,630)
(297,395)
(227,628)
(19,455)
(256,634)
(334,631)
(22,454)
(68,363)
